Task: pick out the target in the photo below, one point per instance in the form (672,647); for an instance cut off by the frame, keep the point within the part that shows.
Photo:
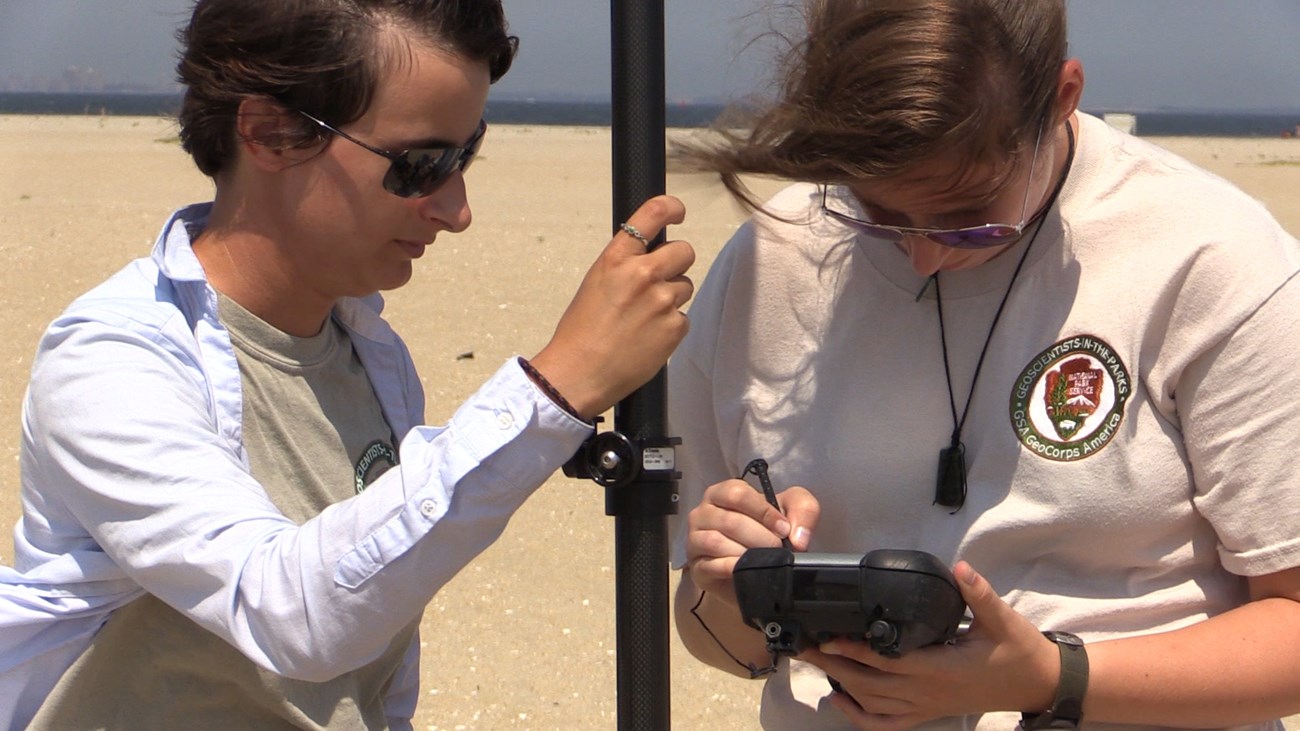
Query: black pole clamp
(613,460)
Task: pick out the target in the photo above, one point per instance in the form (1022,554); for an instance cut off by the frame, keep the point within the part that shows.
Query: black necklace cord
(950,484)
(959,424)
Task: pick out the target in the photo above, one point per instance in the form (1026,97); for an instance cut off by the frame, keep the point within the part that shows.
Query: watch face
(1064,638)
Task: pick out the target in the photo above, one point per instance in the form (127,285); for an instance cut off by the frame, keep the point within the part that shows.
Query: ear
(1069,89)
(271,137)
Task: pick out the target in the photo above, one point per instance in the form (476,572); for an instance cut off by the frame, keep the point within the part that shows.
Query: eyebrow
(972,203)
(970,199)
(982,195)
(431,142)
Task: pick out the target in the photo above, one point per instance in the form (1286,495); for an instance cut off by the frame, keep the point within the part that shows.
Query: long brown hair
(876,86)
(320,56)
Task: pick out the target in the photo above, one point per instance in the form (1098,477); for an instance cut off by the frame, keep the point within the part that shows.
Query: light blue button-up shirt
(135,479)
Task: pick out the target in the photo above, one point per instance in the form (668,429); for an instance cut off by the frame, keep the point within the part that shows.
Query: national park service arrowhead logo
(1069,401)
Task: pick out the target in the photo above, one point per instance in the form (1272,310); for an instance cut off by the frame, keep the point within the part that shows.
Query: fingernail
(968,575)
(830,648)
(800,537)
(783,528)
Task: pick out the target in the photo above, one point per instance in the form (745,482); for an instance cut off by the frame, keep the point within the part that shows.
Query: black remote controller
(897,600)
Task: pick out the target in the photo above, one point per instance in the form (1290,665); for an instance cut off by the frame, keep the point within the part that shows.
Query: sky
(1137,54)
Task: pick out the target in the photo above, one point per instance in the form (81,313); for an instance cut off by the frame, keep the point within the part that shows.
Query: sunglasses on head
(970,237)
(418,172)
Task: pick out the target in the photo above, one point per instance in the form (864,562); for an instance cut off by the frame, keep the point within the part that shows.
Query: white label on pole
(659,458)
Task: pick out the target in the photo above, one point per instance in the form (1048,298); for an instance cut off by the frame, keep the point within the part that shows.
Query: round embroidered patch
(1069,401)
(377,454)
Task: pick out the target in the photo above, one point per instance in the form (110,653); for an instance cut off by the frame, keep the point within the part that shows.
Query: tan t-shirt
(315,435)
(310,414)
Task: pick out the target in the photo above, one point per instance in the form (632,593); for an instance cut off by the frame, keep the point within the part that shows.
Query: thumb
(992,615)
(803,511)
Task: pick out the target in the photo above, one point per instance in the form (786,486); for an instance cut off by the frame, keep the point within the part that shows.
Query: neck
(243,258)
(1064,141)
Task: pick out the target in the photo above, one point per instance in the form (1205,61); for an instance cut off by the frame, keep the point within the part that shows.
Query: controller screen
(826,585)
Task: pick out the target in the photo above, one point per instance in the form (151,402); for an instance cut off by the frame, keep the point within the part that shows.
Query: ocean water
(598,114)
(593,114)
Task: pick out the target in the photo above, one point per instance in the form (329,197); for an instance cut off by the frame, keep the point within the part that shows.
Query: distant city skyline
(80,80)
(1153,54)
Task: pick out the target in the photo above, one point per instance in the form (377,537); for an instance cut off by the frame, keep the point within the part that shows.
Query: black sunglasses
(418,172)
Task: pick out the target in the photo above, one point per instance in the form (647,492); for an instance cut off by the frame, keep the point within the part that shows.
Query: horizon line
(701,101)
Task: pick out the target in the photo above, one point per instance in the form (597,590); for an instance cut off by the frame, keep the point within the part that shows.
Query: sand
(524,637)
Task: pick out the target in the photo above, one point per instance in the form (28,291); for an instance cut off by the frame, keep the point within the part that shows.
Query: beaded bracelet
(551,391)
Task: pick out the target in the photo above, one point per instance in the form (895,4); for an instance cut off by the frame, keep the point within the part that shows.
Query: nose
(448,205)
(926,256)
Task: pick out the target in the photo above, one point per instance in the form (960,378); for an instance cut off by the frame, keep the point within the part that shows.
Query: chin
(395,279)
(390,278)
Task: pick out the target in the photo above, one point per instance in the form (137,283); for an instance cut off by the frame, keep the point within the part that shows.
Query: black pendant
(950,486)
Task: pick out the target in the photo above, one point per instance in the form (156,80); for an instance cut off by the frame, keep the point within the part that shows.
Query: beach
(524,636)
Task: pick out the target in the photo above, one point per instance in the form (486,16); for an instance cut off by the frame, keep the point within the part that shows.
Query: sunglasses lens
(470,150)
(878,232)
(976,238)
(866,227)
(419,172)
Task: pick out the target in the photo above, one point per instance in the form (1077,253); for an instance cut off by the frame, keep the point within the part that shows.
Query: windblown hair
(876,86)
(322,56)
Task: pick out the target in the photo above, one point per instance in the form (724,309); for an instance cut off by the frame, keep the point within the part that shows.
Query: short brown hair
(322,56)
(876,86)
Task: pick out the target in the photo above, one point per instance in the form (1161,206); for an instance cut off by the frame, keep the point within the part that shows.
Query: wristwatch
(1067,707)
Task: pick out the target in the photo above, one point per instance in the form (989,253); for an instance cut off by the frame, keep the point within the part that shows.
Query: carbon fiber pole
(640,509)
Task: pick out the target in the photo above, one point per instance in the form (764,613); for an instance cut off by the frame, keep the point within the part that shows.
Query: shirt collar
(173,252)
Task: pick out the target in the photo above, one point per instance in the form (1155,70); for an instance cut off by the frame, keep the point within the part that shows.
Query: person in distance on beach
(233,515)
(988,326)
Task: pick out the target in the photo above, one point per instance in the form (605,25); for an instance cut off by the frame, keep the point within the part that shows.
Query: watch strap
(1067,708)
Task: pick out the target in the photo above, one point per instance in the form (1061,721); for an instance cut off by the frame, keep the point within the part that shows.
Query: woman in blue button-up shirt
(337,135)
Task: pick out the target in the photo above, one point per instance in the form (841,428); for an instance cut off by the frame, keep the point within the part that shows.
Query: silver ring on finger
(630,230)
